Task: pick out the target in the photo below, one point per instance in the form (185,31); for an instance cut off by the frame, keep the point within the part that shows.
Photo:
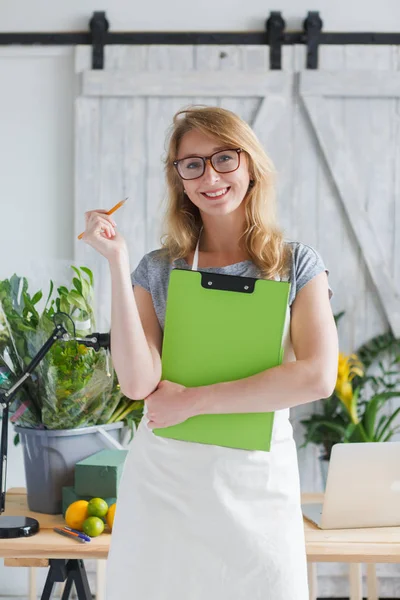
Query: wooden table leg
(312,580)
(372,582)
(32,583)
(355,580)
(100,579)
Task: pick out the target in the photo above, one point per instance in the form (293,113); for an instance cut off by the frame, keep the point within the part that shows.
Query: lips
(217,192)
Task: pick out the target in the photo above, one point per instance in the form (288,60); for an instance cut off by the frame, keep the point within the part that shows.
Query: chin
(221,208)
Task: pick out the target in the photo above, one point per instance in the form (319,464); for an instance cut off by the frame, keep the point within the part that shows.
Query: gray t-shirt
(152,273)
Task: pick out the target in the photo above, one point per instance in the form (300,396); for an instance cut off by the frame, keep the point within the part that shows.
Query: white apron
(202,522)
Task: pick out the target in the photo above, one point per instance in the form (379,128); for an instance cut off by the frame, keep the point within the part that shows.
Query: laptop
(362,488)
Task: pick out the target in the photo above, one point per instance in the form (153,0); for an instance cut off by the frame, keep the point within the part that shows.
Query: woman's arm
(311,377)
(135,333)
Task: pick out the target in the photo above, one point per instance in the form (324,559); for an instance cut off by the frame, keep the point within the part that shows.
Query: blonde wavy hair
(262,238)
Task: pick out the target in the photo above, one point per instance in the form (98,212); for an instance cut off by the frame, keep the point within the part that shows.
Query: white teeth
(220,193)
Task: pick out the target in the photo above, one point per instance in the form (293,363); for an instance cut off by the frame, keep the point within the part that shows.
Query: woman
(196,521)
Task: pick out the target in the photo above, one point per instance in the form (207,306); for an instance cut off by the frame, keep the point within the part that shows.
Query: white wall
(36,153)
(207,15)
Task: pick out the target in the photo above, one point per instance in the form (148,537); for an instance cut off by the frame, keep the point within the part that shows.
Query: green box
(99,474)
(69,496)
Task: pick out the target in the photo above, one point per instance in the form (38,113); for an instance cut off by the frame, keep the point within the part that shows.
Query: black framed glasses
(223,161)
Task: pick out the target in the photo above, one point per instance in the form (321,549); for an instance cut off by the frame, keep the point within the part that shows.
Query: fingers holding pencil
(101,233)
(106,212)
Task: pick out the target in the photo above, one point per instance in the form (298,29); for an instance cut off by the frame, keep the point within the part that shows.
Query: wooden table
(38,550)
(354,546)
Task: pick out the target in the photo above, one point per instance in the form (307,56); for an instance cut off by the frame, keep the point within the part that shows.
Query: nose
(210,174)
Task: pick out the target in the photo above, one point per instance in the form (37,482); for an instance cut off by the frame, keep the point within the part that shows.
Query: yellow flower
(348,367)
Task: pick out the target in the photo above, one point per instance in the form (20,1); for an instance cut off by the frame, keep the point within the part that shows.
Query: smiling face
(213,193)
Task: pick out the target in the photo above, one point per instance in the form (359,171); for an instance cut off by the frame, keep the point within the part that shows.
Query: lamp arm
(6,398)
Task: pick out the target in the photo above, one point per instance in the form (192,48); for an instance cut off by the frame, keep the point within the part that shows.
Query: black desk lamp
(18,526)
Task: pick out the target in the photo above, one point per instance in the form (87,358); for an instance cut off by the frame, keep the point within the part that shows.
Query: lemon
(93,526)
(76,514)
(110,515)
(97,507)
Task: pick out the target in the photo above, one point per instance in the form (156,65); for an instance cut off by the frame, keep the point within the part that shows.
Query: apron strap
(195,264)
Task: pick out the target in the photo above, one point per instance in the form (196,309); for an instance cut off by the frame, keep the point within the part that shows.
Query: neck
(221,234)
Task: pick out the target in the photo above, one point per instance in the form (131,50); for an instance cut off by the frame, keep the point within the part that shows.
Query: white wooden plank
(336,241)
(245,108)
(281,147)
(207,83)
(372,121)
(120,57)
(395,402)
(111,152)
(87,193)
(163,62)
(132,223)
(356,114)
(329,221)
(396,144)
(205,58)
(111,191)
(303,227)
(231,59)
(87,166)
(352,83)
(256,58)
(343,171)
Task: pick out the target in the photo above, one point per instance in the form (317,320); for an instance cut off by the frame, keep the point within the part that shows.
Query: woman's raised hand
(101,234)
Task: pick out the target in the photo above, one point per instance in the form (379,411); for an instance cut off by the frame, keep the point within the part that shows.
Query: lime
(97,507)
(93,526)
(76,513)
(110,515)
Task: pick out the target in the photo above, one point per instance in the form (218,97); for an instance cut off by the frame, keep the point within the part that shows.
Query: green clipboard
(222,328)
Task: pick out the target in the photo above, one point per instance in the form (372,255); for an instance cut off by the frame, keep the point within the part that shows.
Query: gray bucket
(50,456)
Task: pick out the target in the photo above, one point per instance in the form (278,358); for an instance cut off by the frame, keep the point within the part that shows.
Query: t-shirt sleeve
(140,276)
(306,264)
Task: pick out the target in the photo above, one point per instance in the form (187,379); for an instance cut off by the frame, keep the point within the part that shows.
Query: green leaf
(89,274)
(63,305)
(381,424)
(37,297)
(339,429)
(77,271)
(78,284)
(76,299)
(50,293)
(62,290)
(86,291)
(387,425)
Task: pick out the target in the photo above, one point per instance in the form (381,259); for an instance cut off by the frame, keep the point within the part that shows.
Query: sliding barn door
(333,135)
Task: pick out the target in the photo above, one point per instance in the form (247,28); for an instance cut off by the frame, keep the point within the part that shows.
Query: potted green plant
(366,381)
(71,406)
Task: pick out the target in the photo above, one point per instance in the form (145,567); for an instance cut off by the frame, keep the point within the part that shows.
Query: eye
(193,164)
(224,158)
